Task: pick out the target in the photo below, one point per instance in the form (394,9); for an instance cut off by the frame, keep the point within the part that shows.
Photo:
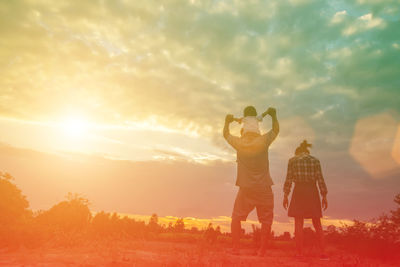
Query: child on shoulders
(250,121)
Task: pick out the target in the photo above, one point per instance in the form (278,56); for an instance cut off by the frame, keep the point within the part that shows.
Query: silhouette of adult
(253,179)
(305,172)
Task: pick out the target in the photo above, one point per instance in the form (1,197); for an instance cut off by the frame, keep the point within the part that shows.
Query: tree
(179,225)
(13,205)
(14,213)
(211,234)
(396,213)
(170,227)
(153,219)
(153,223)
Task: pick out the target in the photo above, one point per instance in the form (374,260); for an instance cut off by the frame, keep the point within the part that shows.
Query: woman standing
(305,172)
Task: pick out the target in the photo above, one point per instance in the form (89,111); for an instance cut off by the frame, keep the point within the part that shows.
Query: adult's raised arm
(275,123)
(234,141)
(228,120)
(273,133)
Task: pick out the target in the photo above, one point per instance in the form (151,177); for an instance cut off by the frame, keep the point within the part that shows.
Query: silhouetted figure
(253,179)
(305,172)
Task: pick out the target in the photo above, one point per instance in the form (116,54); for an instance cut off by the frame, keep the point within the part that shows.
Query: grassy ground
(152,253)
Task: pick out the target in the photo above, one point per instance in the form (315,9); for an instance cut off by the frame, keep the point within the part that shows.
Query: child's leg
(238,120)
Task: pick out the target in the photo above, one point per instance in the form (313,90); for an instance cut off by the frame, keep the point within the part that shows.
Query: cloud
(178,68)
(339,17)
(364,22)
(120,61)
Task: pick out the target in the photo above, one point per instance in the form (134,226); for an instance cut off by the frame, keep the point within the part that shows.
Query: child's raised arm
(265,113)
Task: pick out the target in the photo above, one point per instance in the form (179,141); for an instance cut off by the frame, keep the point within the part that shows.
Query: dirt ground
(148,253)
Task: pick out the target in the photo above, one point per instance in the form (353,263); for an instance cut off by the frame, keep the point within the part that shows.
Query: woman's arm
(321,185)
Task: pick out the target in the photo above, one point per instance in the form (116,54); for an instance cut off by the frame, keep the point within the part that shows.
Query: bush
(378,238)
(70,215)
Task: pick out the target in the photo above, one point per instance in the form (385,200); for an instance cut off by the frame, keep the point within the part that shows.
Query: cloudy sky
(124,101)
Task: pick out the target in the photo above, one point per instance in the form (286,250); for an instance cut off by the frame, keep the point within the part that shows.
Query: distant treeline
(70,223)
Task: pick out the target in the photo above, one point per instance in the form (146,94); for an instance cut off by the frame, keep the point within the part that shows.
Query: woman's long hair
(303,148)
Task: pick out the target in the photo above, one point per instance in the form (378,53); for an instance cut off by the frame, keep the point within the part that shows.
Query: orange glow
(373,144)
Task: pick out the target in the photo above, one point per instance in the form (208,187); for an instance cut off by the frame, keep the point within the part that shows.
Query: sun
(76,127)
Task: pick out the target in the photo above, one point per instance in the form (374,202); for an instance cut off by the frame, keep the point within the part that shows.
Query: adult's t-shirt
(252,159)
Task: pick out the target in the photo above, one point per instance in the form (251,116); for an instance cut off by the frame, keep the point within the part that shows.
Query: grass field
(157,253)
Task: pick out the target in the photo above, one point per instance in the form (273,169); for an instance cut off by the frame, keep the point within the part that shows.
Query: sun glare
(75,127)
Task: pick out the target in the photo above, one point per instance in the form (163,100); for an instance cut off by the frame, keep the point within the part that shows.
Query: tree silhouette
(13,205)
(211,234)
(170,227)
(153,224)
(14,213)
(396,213)
(179,226)
(153,219)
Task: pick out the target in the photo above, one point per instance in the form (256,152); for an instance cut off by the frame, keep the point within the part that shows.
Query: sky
(124,101)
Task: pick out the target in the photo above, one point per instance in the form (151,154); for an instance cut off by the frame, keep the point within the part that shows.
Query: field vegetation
(69,233)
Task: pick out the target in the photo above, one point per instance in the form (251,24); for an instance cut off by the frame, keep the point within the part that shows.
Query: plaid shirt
(304,168)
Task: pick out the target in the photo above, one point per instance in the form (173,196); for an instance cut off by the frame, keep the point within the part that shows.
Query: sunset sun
(75,126)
